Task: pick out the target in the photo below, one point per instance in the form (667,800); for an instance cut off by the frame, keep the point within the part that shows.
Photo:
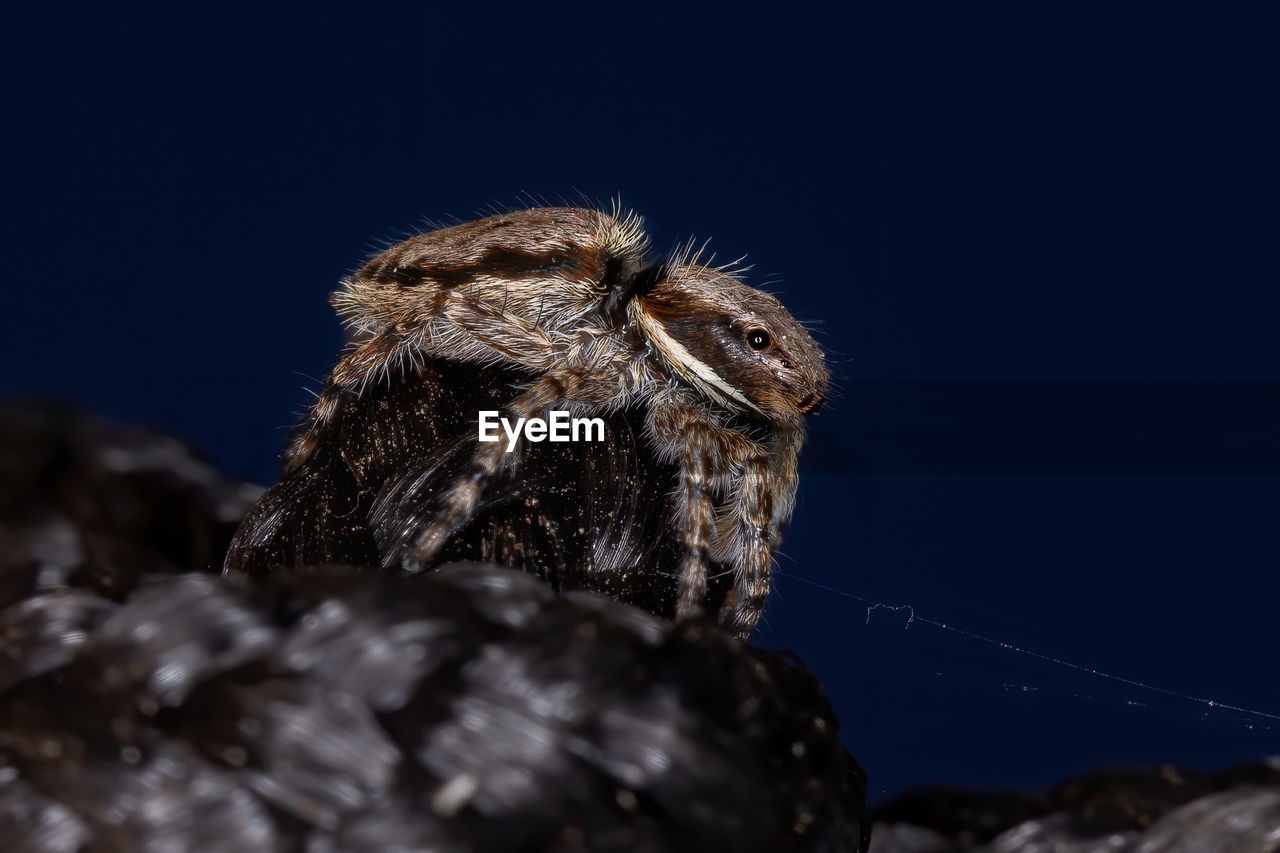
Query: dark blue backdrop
(1064,192)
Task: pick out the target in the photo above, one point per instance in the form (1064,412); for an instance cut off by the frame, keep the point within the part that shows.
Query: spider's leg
(696,508)
(504,335)
(753,541)
(464,494)
(460,501)
(714,457)
(350,375)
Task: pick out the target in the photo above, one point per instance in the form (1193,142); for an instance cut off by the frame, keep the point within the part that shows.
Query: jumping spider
(718,374)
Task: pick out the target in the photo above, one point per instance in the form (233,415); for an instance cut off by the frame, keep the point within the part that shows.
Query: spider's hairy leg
(697,509)
(509,336)
(572,389)
(364,362)
(751,529)
(715,458)
(754,539)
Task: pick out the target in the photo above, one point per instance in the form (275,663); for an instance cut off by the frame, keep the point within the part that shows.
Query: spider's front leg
(752,538)
(759,509)
(714,458)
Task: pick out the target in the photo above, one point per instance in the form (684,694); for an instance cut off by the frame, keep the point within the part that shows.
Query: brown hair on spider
(723,373)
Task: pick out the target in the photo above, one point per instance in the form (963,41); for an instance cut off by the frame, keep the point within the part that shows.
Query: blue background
(1035,192)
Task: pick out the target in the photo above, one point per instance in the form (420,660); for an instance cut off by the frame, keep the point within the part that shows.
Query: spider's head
(737,344)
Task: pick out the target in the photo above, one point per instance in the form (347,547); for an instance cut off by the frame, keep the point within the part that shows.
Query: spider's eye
(758,339)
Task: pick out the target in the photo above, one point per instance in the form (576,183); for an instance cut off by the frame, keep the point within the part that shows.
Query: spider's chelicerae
(723,373)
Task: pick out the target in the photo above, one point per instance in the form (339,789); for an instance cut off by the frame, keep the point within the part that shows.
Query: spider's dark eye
(758,339)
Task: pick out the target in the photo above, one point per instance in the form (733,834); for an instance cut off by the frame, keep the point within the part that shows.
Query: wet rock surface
(147,702)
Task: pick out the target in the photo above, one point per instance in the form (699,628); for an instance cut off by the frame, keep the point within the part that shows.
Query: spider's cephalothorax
(721,373)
